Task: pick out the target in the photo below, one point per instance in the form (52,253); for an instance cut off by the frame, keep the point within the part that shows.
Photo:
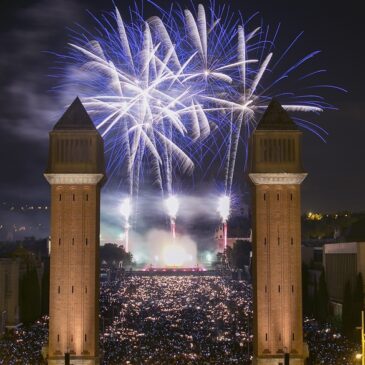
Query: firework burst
(165,90)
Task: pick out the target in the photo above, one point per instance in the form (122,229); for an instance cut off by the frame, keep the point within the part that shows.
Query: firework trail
(172,205)
(224,210)
(126,210)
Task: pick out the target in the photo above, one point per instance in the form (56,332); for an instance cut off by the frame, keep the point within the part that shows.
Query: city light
(314,216)
(209,257)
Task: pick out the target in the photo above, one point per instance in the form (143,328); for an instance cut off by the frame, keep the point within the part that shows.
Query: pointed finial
(75,118)
(276,118)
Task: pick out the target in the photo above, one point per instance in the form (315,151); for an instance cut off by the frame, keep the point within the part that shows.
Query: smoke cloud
(156,248)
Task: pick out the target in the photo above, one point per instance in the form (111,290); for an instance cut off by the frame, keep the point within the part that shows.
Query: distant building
(2,321)
(9,292)
(342,262)
(312,255)
(19,288)
(234,234)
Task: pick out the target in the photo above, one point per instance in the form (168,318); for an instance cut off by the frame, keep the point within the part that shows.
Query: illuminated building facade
(276,174)
(232,238)
(342,263)
(75,172)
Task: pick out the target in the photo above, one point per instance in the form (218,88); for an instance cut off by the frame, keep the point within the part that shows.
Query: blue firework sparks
(165,90)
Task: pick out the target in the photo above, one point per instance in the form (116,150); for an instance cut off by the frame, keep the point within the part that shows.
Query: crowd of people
(23,346)
(327,346)
(176,320)
(171,320)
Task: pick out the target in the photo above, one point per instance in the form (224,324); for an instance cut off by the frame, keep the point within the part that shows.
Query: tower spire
(276,174)
(75,172)
(276,118)
(75,118)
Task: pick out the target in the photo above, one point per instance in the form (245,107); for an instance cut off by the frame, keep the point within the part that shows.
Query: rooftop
(276,118)
(75,118)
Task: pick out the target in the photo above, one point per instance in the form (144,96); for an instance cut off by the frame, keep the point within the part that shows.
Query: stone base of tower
(277,360)
(75,360)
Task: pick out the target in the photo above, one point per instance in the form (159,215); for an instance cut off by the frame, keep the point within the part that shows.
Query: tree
(357,231)
(228,257)
(112,254)
(241,254)
(30,296)
(45,289)
(314,302)
(35,294)
(23,307)
(358,301)
(323,299)
(347,318)
(219,263)
(305,290)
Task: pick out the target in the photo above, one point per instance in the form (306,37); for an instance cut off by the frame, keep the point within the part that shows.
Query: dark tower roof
(75,118)
(276,118)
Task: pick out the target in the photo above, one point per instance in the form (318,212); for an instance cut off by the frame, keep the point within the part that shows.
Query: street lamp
(286,357)
(362,339)
(362,355)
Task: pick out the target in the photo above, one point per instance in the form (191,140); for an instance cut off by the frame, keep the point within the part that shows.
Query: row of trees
(32,288)
(113,254)
(238,256)
(353,299)
(29,295)
(316,302)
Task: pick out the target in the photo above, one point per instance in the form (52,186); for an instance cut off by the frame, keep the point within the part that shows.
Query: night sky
(29,108)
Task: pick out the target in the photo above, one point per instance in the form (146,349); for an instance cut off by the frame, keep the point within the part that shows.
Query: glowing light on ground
(174,255)
(157,249)
(209,257)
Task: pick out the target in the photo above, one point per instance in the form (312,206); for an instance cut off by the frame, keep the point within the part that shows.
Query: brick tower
(276,173)
(75,172)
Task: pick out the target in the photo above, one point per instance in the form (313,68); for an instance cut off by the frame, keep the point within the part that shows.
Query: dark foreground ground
(176,320)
